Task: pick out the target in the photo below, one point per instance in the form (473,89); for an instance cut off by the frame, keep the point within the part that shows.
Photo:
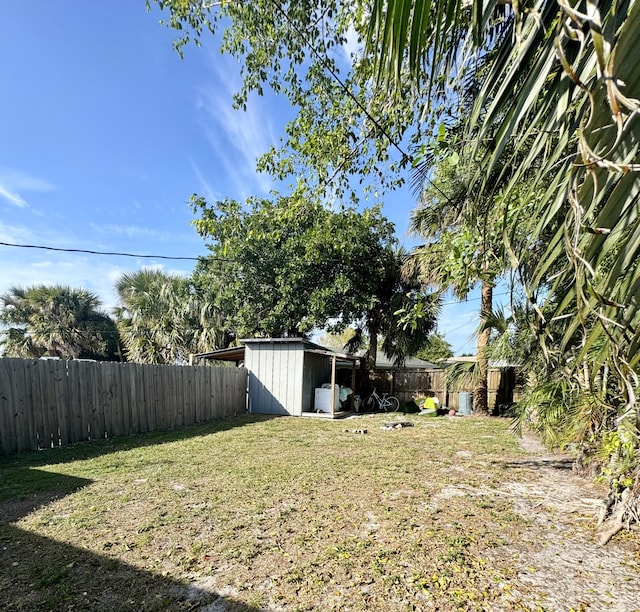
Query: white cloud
(94,273)
(74,271)
(130,231)
(13,198)
(239,138)
(14,182)
(14,233)
(209,193)
(25,267)
(352,46)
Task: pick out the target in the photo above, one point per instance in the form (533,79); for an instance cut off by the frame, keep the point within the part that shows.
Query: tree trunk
(481,389)
(372,352)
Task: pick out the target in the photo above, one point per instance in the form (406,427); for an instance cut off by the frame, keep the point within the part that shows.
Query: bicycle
(386,403)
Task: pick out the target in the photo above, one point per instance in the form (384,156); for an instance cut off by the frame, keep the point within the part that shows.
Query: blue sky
(106,133)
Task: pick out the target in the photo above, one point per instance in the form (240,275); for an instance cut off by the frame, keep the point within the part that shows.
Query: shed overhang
(234,353)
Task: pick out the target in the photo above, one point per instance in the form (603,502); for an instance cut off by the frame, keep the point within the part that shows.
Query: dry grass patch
(285,513)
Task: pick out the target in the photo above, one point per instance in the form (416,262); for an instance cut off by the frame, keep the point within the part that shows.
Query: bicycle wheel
(391,404)
(370,404)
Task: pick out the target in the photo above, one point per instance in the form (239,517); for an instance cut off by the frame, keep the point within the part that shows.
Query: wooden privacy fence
(408,384)
(48,403)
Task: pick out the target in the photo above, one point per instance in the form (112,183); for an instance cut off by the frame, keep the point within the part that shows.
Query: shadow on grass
(38,573)
(556,463)
(24,490)
(95,448)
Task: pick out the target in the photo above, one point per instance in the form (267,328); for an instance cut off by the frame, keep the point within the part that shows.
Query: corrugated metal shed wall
(275,377)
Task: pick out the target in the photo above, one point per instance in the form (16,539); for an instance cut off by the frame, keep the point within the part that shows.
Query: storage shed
(286,375)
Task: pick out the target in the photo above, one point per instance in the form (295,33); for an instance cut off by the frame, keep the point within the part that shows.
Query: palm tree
(461,249)
(163,318)
(561,92)
(540,84)
(401,315)
(465,238)
(57,321)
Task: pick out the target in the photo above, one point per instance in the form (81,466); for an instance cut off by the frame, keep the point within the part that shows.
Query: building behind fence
(49,403)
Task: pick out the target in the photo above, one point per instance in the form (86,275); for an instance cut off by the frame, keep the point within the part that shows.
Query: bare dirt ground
(559,555)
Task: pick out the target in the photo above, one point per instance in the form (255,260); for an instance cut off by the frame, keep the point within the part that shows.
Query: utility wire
(202,258)
(323,60)
(110,253)
(344,87)
(334,74)
(472,299)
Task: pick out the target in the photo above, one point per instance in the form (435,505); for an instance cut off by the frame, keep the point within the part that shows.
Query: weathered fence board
(24,398)
(409,384)
(48,403)
(7,399)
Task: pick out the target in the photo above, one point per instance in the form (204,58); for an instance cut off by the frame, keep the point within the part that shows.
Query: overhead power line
(109,253)
(146,256)
(336,77)
(378,125)
(473,299)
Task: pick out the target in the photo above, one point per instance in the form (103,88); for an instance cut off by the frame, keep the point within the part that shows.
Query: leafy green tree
(349,340)
(402,313)
(462,249)
(163,318)
(344,135)
(57,321)
(345,132)
(436,348)
(291,266)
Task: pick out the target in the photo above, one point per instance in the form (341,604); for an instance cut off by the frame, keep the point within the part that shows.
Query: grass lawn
(270,513)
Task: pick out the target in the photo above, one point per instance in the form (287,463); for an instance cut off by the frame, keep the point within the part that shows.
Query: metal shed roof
(236,353)
(233,353)
(410,363)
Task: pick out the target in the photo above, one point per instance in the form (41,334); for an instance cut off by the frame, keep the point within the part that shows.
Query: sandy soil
(560,556)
